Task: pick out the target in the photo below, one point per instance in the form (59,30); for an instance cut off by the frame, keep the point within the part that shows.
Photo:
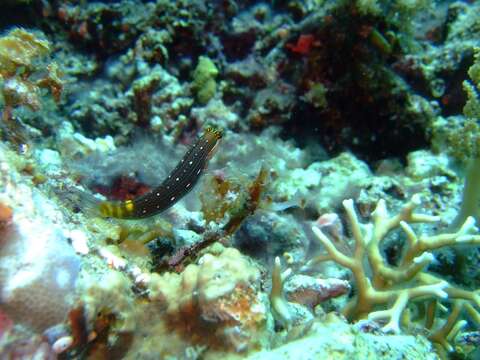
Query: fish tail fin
(80,200)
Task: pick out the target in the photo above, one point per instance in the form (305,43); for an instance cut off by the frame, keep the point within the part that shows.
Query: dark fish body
(178,183)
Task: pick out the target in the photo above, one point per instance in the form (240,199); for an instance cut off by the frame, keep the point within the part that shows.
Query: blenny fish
(178,183)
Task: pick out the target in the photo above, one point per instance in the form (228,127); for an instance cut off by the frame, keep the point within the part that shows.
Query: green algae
(204,84)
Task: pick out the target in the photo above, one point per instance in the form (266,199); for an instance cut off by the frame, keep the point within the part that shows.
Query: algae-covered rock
(472,107)
(204,84)
(221,291)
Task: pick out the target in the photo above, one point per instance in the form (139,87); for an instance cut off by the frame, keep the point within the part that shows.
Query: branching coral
(277,300)
(384,291)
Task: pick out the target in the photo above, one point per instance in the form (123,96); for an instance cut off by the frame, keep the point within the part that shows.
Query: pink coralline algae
(303,45)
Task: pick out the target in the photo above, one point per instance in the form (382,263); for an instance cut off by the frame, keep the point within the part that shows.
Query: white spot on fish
(188,185)
(201,147)
(177,179)
(172,198)
(199,171)
(190,163)
(144,211)
(158,206)
(158,194)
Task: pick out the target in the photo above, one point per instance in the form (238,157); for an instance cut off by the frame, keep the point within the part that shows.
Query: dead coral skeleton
(381,285)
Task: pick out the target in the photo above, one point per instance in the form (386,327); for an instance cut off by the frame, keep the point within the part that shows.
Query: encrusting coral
(216,300)
(393,287)
(38,268)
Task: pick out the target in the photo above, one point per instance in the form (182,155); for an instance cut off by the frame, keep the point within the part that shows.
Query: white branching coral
(279,305)
(384,291)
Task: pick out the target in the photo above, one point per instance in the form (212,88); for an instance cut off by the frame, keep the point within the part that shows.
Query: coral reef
(21,82)
(213,306)
(318,101)
(395,286)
